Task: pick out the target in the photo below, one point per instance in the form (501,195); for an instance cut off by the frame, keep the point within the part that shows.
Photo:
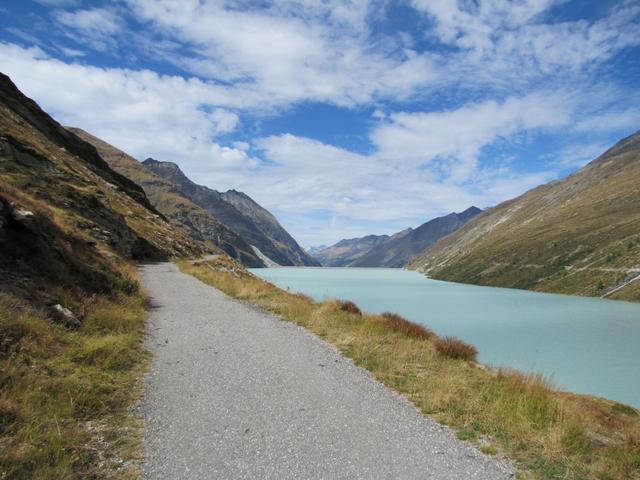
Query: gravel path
(236,393)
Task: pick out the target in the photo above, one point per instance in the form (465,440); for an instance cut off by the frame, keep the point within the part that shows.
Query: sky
(343,118)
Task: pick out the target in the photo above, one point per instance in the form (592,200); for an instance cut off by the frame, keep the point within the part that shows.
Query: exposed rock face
(401,247)
(579,235)
(396,250)
(240,213)
(65,215)
(172,202)
(29,111)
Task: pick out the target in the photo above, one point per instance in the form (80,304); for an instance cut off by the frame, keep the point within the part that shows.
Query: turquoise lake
(586,345)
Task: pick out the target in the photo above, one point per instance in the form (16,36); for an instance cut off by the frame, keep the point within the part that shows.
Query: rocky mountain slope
(400,248)
(392,251)
(63,210)
(172,202)
(71,309)
(241,214)
(579,235)
(347,251)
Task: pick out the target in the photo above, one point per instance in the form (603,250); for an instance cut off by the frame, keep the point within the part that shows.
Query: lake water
(586,345)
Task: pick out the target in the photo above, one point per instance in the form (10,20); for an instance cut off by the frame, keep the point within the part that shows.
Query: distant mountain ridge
(229,222)
(396,250)
(240,213)
(347,251)
(400,248)
(578,235)
(175,205)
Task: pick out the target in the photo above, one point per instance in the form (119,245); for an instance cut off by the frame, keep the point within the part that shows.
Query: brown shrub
(348,306)
(455,348)
(397,323)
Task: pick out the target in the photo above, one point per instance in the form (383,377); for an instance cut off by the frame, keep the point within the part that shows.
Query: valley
(79,218)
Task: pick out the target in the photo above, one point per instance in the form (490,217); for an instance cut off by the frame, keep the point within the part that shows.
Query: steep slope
(168,198)
(71,310)
(347,251)
(240,213)
(579,235)
(401,247)
(54,169)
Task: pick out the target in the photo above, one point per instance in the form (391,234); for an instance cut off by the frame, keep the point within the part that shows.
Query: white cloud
(144,113)
(94,26)
(511,44)
(612,120)
(424,164)
(506,73)
(71,52)
(450,141)
(292,51)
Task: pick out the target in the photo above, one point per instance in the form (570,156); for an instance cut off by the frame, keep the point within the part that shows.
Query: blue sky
(343,118)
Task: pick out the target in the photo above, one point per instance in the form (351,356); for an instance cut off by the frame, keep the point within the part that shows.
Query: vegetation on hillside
(580,235)
(549,434)
(71,323)
(66,393)
(71,309)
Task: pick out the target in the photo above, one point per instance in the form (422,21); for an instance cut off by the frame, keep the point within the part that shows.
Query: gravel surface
(236,393)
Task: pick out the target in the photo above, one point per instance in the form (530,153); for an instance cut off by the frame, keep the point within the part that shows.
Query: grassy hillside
(172,202)
(71,308)
(579,235)
(549,434)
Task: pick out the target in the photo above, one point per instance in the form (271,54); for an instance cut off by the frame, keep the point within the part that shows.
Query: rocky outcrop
(241,214)
(173,203)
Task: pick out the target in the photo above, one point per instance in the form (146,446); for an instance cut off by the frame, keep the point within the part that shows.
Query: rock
(20,214)
(66,316)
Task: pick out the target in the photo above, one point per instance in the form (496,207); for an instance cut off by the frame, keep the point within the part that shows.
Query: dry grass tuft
(455,348)
(399,324)
(350,307)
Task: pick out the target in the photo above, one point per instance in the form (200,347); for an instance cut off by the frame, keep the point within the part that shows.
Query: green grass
(576,236)
(66,394)
(548,434)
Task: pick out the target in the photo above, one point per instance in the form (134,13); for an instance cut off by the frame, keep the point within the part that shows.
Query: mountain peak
(469,212)
(153,162)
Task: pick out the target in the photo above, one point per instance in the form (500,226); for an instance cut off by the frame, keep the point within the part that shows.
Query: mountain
(579,235)
(401,247)
(347,251)
(240,213)
(66,218)
(169,199)
(392,251)
(315,249)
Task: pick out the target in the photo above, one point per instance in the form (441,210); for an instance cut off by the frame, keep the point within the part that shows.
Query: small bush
(347,306)
(399,324)
(455,348)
